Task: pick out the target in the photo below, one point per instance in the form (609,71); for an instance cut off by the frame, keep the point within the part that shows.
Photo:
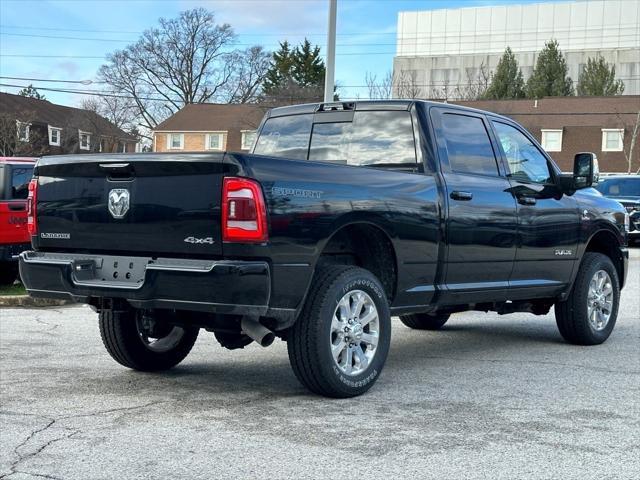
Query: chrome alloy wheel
(161,340)
(600,300)
(355,330)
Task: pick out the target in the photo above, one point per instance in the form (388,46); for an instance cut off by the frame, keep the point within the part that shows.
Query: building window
(552,140)
(85,140)
(612,139)
(214,141)
(248,137)
(175,141)
(55,135)
(23,131)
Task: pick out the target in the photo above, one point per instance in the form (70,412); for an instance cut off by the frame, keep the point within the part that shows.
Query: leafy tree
(295,75)
(506,81)
(598,79)
(549,77)
(31,92)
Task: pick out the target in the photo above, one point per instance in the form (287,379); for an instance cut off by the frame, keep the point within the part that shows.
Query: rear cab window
(383,139)
(468,145)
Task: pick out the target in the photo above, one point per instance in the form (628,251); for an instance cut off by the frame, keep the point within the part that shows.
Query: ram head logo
(118,202)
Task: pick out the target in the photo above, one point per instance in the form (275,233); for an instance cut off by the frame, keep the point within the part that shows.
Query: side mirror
(585,170)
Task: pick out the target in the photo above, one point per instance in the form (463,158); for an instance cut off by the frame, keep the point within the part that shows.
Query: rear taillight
(32,200)
(244,213)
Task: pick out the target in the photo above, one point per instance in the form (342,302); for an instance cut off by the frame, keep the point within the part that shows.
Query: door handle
(459,195)
(18,207)
(526,200)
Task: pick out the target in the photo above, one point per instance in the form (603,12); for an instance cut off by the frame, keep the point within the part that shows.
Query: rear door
(549,221)
(139,205)
(481,221)
(13,203)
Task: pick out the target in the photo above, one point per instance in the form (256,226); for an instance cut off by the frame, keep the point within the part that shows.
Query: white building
(440,50)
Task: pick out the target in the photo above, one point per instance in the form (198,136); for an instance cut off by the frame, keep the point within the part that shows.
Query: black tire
(8,273)
(572,316)
(425,321)
(309,340)
(121,337)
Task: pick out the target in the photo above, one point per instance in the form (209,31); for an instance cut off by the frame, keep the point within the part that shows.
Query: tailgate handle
(117,168)
(17,207)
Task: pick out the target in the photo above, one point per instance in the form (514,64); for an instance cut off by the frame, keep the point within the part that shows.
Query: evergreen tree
(281,69)
(31,92)
(598,79)
(549,77)
(506,81)
(296,75)
(308,67)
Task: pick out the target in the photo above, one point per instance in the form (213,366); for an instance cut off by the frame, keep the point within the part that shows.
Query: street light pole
(329,79)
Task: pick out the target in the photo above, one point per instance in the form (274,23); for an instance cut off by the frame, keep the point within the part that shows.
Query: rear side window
(468,145)
(20,178)
(286,137)
(381,139)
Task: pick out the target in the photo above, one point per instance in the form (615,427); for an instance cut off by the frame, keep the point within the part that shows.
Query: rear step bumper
(221,286)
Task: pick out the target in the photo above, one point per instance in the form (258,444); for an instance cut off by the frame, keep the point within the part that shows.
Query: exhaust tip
(267,340)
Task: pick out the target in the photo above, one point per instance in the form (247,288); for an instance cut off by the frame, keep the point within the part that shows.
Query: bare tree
(10,142)
(250,69)
(406,85)
(628,154)
(183,60)
(379,90)
(476,85)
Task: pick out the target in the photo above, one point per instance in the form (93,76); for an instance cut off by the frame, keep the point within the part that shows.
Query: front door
(481,220)
(549,221)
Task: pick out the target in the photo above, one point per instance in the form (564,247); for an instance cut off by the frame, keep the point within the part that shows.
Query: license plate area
(110,271)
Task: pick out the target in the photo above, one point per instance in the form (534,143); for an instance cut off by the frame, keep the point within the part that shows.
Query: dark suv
(626,190)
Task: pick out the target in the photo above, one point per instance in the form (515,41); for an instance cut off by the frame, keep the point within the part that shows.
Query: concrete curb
(27,301)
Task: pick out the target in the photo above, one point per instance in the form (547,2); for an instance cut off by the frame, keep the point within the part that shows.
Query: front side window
(214,141)
(612,139)
(372,139)
(525,162)
(23,131)
(54,136)
(85,140)
(619,187)
(286,137)
(175,141)
(552,140)
(20,177)
(468,145)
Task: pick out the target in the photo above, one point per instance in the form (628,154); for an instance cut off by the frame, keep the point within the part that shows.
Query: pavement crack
(51,422)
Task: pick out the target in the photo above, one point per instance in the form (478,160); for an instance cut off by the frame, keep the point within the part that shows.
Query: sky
(68,39)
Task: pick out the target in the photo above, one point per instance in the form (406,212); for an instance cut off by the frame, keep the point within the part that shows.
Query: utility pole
(329,79)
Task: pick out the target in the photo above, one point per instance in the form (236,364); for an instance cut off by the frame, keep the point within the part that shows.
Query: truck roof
(365,105)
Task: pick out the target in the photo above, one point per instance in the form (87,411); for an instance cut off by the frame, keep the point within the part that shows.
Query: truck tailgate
(140,204)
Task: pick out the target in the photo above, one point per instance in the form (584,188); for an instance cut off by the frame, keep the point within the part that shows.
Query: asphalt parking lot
(489,396)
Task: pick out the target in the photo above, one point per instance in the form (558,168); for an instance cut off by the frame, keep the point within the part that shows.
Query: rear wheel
(143,343)
(589,314)
(338,346)
(8,272)
(425,321)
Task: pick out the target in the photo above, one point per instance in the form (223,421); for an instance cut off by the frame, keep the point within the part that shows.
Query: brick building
(567,125)
(209,127)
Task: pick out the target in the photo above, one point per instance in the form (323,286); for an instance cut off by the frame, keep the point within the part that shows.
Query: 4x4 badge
(118,202)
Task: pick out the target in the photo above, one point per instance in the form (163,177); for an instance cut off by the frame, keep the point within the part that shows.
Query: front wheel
(141,343)
(339,344)
(588,316)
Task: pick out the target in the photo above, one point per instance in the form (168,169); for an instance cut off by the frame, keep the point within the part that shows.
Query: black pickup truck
(343,215)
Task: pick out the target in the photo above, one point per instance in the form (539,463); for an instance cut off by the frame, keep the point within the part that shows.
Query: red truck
(15,174)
